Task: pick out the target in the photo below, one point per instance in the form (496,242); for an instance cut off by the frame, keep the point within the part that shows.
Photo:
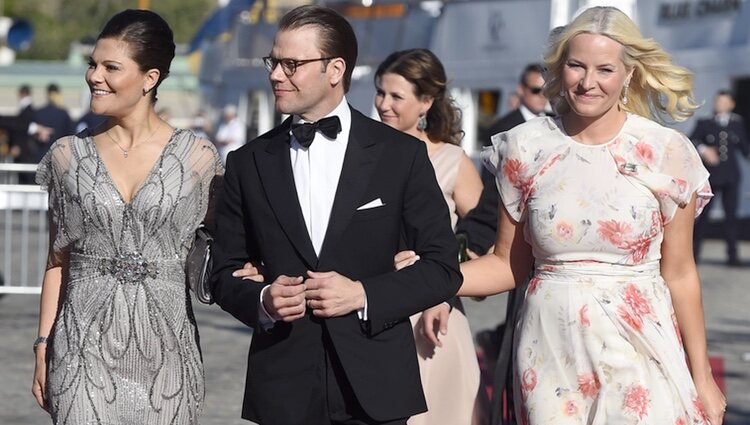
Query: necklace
(126,151)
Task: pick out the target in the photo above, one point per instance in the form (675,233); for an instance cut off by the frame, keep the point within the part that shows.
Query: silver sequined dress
(124,348)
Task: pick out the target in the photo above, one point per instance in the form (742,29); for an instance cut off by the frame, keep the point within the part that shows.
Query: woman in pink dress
(412,96)
(601,203)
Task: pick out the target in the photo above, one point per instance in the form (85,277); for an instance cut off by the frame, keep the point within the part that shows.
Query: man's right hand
(285,298)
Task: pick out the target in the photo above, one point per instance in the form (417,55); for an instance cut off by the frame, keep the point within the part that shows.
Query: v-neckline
(145,179)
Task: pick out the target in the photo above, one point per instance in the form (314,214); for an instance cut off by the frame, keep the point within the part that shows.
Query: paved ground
(726,295)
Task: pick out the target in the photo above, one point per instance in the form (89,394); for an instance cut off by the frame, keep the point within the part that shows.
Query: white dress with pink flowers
(597,341)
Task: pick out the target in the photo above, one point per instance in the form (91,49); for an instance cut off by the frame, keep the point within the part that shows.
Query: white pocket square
(372,204)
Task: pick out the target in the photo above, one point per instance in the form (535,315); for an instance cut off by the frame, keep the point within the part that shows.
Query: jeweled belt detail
(130,267)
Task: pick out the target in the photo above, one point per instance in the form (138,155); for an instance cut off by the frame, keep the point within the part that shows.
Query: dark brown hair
(336,37)
(424,71)
(149,39)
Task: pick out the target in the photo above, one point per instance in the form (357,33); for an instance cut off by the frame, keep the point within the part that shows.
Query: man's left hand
(330,294)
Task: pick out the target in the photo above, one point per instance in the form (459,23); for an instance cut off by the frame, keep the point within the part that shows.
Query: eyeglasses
(535,90)
(289,66)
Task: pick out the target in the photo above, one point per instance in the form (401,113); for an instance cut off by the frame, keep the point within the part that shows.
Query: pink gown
(450,374)
(597,340)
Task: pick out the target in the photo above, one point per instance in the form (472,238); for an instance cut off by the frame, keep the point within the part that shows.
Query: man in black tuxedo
(480,227)
(324,201)
(721,141)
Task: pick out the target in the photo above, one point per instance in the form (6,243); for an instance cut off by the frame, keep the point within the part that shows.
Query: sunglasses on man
(535,90)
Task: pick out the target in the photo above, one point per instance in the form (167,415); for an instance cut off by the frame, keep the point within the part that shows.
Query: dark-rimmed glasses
(289,66)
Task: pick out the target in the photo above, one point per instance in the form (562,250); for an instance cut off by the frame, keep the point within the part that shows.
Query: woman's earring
(625,93)
(562,92)
(422,123)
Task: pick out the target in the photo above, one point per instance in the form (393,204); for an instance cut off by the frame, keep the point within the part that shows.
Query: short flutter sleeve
(206,164)
(513,173)
(50,175)
(670,168)
(682,162)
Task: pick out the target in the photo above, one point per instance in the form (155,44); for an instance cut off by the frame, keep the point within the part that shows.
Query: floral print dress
(597,341)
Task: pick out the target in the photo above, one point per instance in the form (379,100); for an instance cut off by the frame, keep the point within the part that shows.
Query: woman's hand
(434,322)
(714,402)
(250,272)
(38,384)
(405,259)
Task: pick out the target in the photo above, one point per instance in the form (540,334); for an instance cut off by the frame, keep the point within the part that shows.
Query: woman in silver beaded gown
(124,202)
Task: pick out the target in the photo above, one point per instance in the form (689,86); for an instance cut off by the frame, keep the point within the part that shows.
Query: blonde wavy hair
(657,88)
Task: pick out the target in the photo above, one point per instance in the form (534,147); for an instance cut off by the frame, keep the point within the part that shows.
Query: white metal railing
(23,238)
(9,171)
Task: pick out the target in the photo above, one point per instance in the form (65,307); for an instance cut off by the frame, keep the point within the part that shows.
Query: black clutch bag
(198,265)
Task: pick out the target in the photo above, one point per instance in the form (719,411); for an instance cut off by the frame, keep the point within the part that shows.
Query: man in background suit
(324,201)
(18,126)
(721,141)
(480,227)
(532,104)
(54,117)
(23,131)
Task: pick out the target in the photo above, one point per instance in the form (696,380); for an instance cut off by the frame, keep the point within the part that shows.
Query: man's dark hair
(530,69)
(24,90)
(725,92)
(336,37)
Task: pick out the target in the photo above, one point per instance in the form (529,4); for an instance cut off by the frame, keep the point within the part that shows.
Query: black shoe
(734,262)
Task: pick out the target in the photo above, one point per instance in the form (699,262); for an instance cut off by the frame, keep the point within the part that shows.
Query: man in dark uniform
(480,227)
(18,126)
(54,117)
(721,140)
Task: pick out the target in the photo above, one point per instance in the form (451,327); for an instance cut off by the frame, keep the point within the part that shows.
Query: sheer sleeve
(683,165)
(50,176)
(668,165)
(513,174)
(209,171)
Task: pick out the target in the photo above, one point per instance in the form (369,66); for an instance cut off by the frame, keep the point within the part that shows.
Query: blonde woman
(601,201)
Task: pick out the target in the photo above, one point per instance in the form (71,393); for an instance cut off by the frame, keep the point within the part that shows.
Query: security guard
(720,141)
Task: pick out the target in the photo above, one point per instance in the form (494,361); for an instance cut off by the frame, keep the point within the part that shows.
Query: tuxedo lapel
(362,153)
(275,169)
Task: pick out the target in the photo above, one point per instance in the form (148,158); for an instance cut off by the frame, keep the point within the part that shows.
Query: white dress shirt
(723,119)
(232,136)
(528,115)
(316,173)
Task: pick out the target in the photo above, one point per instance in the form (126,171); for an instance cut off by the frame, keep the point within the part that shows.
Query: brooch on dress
(629,167)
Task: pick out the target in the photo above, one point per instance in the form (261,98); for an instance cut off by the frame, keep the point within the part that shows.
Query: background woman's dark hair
(149,39)
(423,69)
(335,34)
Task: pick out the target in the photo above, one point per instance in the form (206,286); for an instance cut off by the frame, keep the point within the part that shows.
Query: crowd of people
(335,239)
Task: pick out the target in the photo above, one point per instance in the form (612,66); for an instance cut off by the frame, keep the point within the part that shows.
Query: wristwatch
(39,340)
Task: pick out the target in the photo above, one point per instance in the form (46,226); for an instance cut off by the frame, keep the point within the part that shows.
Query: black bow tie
(305,133)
